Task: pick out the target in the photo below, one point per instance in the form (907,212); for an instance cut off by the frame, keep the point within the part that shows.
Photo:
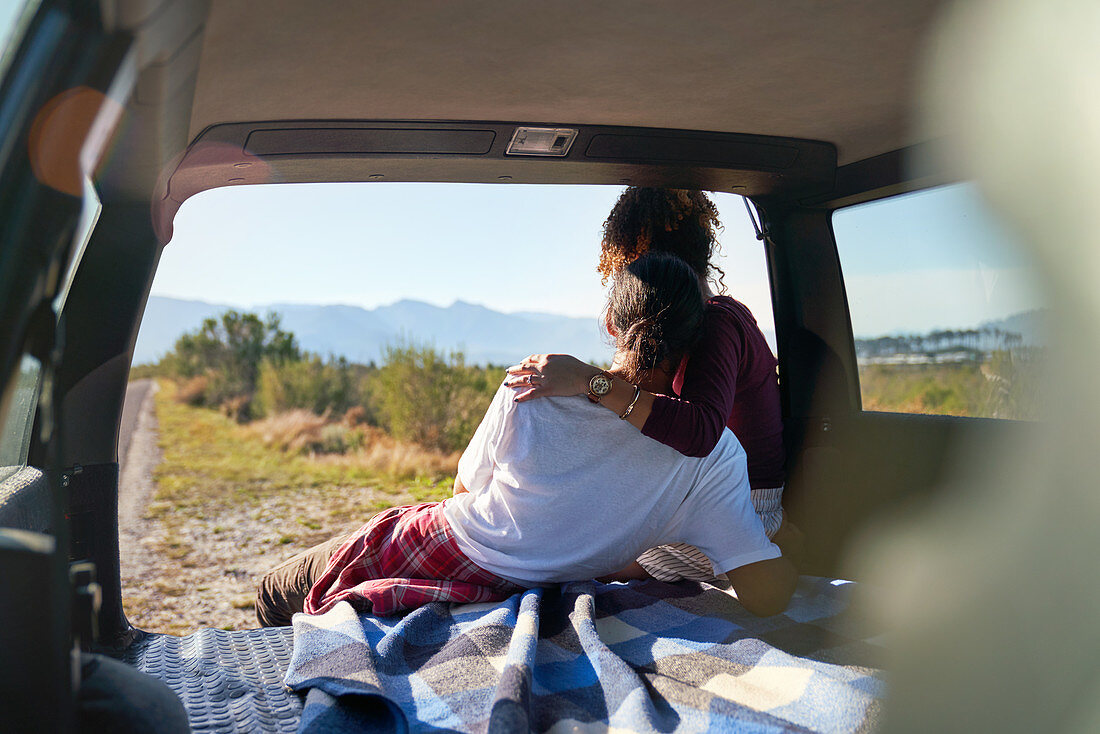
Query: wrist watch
(598,386)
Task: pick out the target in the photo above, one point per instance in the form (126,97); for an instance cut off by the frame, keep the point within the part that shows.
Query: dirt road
(138,456)
(136,393)
(187,566)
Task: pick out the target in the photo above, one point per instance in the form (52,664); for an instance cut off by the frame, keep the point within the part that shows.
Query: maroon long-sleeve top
(730,380)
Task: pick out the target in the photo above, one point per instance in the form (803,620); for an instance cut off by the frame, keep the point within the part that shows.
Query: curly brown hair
(679,221)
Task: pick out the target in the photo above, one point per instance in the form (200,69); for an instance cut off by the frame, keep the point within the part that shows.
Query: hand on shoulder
(549,375)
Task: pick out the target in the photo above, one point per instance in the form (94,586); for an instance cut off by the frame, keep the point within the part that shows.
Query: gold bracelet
(625,413)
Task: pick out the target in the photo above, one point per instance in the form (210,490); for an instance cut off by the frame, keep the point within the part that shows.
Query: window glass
(946,309)
(18,423)
(375,246)
(14,16)
(89,215)
(15,437)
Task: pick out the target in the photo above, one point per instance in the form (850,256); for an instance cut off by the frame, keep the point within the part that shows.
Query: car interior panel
(801,107)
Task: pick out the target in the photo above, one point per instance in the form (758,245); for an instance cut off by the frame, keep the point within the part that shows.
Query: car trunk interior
(801,117)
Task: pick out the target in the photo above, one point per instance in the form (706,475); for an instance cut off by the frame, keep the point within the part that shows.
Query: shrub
(435,401)
(251,369)
(338,439)
(228,352)
(403,460)
(354,416)
(192,391)
(294,430)
(302,431)
(310,384)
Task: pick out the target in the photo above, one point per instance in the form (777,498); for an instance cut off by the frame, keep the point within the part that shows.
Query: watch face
(600,385)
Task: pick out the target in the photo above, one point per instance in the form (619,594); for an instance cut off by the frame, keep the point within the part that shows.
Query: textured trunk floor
(228,681)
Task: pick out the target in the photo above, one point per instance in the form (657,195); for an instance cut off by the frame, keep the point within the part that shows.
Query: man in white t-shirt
(551,491)
(547,491)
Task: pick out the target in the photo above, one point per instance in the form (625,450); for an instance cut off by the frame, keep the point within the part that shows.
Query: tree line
(975,341)
(251,368)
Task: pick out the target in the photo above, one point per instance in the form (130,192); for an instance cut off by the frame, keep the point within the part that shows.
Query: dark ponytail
(656,308)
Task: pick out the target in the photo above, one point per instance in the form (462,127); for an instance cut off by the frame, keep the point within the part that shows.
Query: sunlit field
(232,501)
(1004,385)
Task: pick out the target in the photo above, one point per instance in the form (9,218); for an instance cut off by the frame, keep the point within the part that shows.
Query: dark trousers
(114,697)
(282,590)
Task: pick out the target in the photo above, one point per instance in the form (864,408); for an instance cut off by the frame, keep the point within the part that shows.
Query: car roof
(843,73)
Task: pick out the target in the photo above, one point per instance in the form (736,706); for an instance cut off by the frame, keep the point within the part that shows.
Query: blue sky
(508,247)
(935,259)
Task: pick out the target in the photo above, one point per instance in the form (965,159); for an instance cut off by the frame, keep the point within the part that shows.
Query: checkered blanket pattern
(638,657)
(403,558)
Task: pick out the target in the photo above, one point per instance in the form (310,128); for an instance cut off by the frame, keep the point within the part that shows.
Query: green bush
(311,384)
(434,400)
(250,368)
(339,439)
(228,352)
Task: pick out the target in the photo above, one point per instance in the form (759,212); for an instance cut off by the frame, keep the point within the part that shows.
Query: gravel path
(139,455)
(200,569)
(161,591)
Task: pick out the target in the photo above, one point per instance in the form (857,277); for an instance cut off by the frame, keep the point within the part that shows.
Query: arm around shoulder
(765,587)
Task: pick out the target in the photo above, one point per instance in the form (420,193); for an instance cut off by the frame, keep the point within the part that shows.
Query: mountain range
(485,336)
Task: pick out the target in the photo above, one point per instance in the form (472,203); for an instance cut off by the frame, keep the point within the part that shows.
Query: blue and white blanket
(638,657)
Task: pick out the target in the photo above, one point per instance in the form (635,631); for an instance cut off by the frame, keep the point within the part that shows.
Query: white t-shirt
(560,491)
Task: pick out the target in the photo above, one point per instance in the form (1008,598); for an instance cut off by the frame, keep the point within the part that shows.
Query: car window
(946,311)
(19,421)
(17,424)
(510,249)
(15,437)
(14,16)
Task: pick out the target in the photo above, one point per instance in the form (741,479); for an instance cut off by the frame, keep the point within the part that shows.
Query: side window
(946,309)
(14,17)
(15,436)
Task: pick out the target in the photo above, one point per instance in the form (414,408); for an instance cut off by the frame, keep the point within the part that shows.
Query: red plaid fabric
(401,559)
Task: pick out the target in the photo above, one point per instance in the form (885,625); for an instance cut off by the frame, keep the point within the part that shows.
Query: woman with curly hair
(730,378)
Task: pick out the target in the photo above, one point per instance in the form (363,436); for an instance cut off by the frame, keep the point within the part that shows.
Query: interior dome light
(541,141)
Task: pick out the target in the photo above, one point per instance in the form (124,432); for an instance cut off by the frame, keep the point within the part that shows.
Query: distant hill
(1025,329)
(359,334)
(1030,325)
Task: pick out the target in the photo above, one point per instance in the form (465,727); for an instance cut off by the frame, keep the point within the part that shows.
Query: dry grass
(192,391)
(293,430)
(355,446)
(405,459)
(227,508)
